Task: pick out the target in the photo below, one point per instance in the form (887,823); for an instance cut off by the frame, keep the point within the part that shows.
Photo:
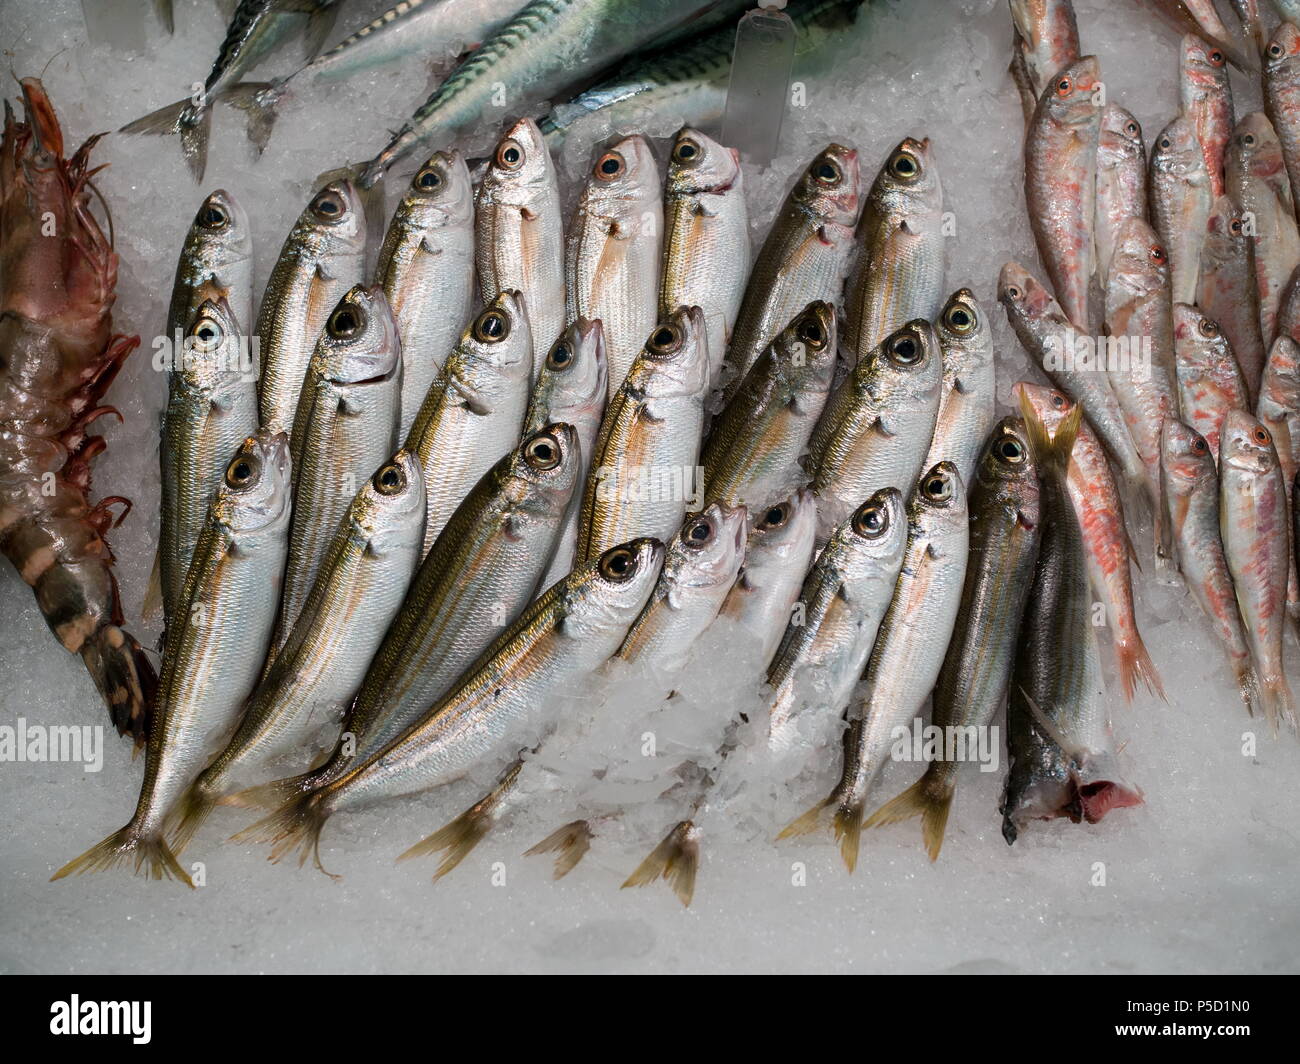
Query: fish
(1209,380)
(1257,181)
(518,235)
(900,261)
(322,258)
(908,652)
(1107,548)
(1251,24)
(426,269)
(1228,293)
(1046,333)
(572,390)
(547,46)
(804,258)
(213,656)
(613,252)
(345,426)
(256,29)
(1253,523)
(1192,484)
(58,281)
(211,409)
(1045,40)
(976,672)
(707,253)
(876,428)
(643,466)
(216,262)
(751,456)
(477,579)
(1061,183)
(841,604)
(1139,309)
(1182,196)
(779,552)
(561,639)
(1206,96)
(474,410)
(1282,96)
(1059,738)
(427,29)
(359,588)
(1121,181)
(1279,411)
(966,403)
(1200,18)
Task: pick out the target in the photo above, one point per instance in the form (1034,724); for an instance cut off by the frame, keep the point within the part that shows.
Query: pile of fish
(524,455)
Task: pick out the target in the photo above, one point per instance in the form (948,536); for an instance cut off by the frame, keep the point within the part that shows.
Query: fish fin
(675,860)
(460,836)
(190,812)
(269,796)
(1166,552)
(147,852)
(153,597)
(1136,664)
(1049,729)
(846,822)
(320,24)
(569,843)
(296,825)
(258,100)
(1247,686)
(931,803)
(1279,705)
(166,14)
(193,123)
(1051,451)
(162,121)
(125,677)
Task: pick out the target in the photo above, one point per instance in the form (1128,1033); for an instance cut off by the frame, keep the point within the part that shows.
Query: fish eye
(1064,86)
(1013,292)
(1216,57)
(937,487)
(328,206)
(1011,450)
(698,532)
(666,339)
(826,172)
(1261,436)
(1058,401)
(510,155)
(1234,227)
(209,331)
(347,320)
(686,151)
(389,479)
(1248,139)
(959,318)
(775,517)
(542,451)
(905,348)
(904,165)
(1166,143)
(610,165)
(618,564)
(1209,329)
(491,327)
(561,356)
(428,179)
(810,331)
(1275,50)
(243,471)
(1199,446)
(213,216)
(1158,255)
(871,520)
(1133,129)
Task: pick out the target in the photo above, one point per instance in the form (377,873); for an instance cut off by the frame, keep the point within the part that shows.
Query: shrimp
(58,355)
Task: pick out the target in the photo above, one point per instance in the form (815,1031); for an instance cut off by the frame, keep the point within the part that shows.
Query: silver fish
(216,262)
(966,414)
(1182,196)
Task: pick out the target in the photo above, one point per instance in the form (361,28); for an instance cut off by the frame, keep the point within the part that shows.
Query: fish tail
(166,15)
(1051,452)
(295,826)
(846,822)
(675,860)
(1247,685)
(271,795)
(465,832)
(1279,704)
(569,843)
(259,100)
(148,852)
(125,678)
(1136,664)
(192,121)
(930,800)
(191,811)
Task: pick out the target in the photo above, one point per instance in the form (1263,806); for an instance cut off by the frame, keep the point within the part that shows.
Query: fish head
(574,376)
(706,554)
(1256,147)
(1202,62)
(254,495)
(1030,307)
(624,177)
(806,349)
(359,343)
(1139,261)
(1198,340)
(1282,50)
(499,337)
(1048,403)
(604,597)
(675,359)
(965,335)
(1070,98)
(1006,470)
(905,368)
(872,540)
(543,471)
(938,503)
(336,216)
(699,164)
(1246,445)
(831,186)
(440,193)
(1185,457)
(212,351)
(1281,381)
(783,532)
(908,183)
(1177,152)
(1225,235)
(222,230)
(389,510)
(521,173)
